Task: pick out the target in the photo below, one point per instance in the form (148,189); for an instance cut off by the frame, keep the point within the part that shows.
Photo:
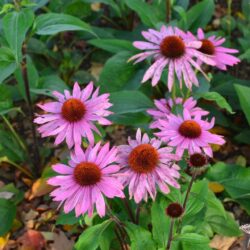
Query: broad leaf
(160,223)
(112,45)
(199,15)
(7,215)
(243,93)
(117,72)
(52,23)
(89,239)
(129,102)
(219,99)
(7,63)
(141,239)
(67,219)
(15,26)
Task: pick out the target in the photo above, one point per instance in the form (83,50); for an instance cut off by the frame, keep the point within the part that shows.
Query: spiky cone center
(207,47)
(143,159)
(73,110)
(190,129)
(87,174)
(174,210)
(172,47)
(198,160)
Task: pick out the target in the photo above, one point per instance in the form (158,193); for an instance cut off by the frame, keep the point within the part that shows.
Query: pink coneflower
(172,47)
(189,133)
(212,46)
(144,165)
(87,179)
(164,108)
(72,116)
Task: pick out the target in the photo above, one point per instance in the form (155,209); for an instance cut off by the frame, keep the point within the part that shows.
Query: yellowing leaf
(216,187)
(40,188)
(3,241)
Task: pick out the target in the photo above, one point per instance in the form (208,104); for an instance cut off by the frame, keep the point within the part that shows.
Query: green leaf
(235,180)
(199,15)
(7,215)
(67,219)
(243,93)
(5,99)
(144,10)
(222,224)
(219,99)
(53,23)
(7,63)
(160,223)
(129,102)
(193,241)
(141,239)
(117,72)
(15,26)
(89,239)
(18,194)
(196,201)
(112,45)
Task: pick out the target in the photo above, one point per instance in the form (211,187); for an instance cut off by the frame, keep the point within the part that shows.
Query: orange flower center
(190,129)
(198,160)
(207,47)
(172,47)
(143,158)
(87,173)
(73,110)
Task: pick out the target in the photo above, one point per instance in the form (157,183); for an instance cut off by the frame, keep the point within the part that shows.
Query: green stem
(229,13)
(168,11)
(17,137)
(5,159)
(170,235)
(173,93)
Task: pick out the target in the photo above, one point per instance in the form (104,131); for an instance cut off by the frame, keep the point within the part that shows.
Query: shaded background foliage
(52,44)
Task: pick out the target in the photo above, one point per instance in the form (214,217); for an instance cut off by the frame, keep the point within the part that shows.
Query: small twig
(130,212)
(170,236)
(36,162)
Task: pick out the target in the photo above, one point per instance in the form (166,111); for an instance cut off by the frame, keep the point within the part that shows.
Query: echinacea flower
(212,46)
(164,108)
(144,165)
(72,116)
(171,47)
(88,177)
(174,210)
(188,133)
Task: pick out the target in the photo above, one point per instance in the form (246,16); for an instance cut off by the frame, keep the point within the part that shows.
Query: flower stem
(137,213)
(130,212)
(170,236)
(186,199)
(36,162)
(168,10)
(119,237)
(188,191)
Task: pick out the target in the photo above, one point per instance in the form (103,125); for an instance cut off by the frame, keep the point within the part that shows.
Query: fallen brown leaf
(40,188)
(32,240)
(222,242)
(61,242)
